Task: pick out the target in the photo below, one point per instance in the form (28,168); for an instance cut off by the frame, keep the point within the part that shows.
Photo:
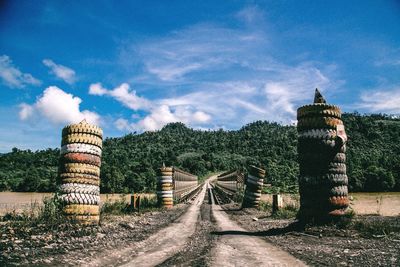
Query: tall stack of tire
(254,184)
(165,187)
(79,172)
(321,149)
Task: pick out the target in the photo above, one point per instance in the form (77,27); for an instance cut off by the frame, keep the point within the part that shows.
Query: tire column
(165,187)
(321,148)
(79,172)
(254,184)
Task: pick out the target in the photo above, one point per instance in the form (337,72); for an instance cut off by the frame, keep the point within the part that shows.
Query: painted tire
(340,168)
(337,179)
(337,212)
(82,128)
(339,158)
(82,158)
(80,188)
(318,123)
(325,134)
(81,168)
(256,172)
(79,175)
(81,148)
(76,198)
(81,181)
(315,107)
(319,113)
(85,219)
(339,191)
(83,139)
(76,209)
(342,201)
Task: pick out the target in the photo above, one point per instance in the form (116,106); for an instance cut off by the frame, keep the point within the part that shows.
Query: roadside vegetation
(130,162)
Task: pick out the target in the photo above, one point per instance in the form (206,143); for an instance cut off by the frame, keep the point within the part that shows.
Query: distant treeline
(130,162)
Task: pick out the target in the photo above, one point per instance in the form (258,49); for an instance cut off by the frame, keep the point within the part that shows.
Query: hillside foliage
(130,162)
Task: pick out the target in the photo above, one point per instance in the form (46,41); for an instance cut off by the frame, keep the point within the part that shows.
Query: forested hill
(129,162)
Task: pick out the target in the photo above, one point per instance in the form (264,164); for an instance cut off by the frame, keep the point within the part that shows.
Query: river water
(385,204)
(18,202)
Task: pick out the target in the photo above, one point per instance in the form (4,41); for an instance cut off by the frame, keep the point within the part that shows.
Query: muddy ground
(73,246)
(328,245)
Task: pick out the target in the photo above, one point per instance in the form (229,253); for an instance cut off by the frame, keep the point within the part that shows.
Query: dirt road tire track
(236,247)
(159,246)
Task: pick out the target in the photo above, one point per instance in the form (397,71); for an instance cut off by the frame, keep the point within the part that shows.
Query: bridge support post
(164,187)
(277,203)
(254,184)
(79,172)
(321,148)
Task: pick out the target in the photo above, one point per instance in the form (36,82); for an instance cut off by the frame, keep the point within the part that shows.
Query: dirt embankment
(73,246)
(328,245)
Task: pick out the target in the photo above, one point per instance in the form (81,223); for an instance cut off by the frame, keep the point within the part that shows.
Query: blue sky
(137,65)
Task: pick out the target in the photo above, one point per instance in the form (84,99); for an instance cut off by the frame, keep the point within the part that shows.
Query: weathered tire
(337,179)
(80,168)
(339,201)
(339,191)
(77,209)
(81,158)
(316,107)
(339,158)
(80,188)
(85,219)
(81,148)
(82,128)
(257,172)
(319,113)
(318,123)
(82,139)
(79,175)
(76,198)
(81,181)
(325,134)
(337,168)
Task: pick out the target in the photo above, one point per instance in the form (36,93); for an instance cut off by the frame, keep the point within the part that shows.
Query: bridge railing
(231,181)
(184,184)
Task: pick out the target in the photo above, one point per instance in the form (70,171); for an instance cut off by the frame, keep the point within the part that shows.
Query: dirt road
(232,245)
(237,247)
(158,247)
(198,233)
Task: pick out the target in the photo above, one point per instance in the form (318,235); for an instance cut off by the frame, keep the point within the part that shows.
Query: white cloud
(58,107)
(62,72)
(122,94)
(386,101)
(163,114)
(122,124)
(13,77)
(215,76)
(26,111)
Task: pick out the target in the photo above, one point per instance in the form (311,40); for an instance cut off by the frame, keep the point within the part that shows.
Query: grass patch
(376,227)
(121,207)
(286,212)
(47,218)
(49,214)
(265,206)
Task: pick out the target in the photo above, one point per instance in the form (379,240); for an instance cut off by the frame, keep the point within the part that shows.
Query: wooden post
(277,203)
